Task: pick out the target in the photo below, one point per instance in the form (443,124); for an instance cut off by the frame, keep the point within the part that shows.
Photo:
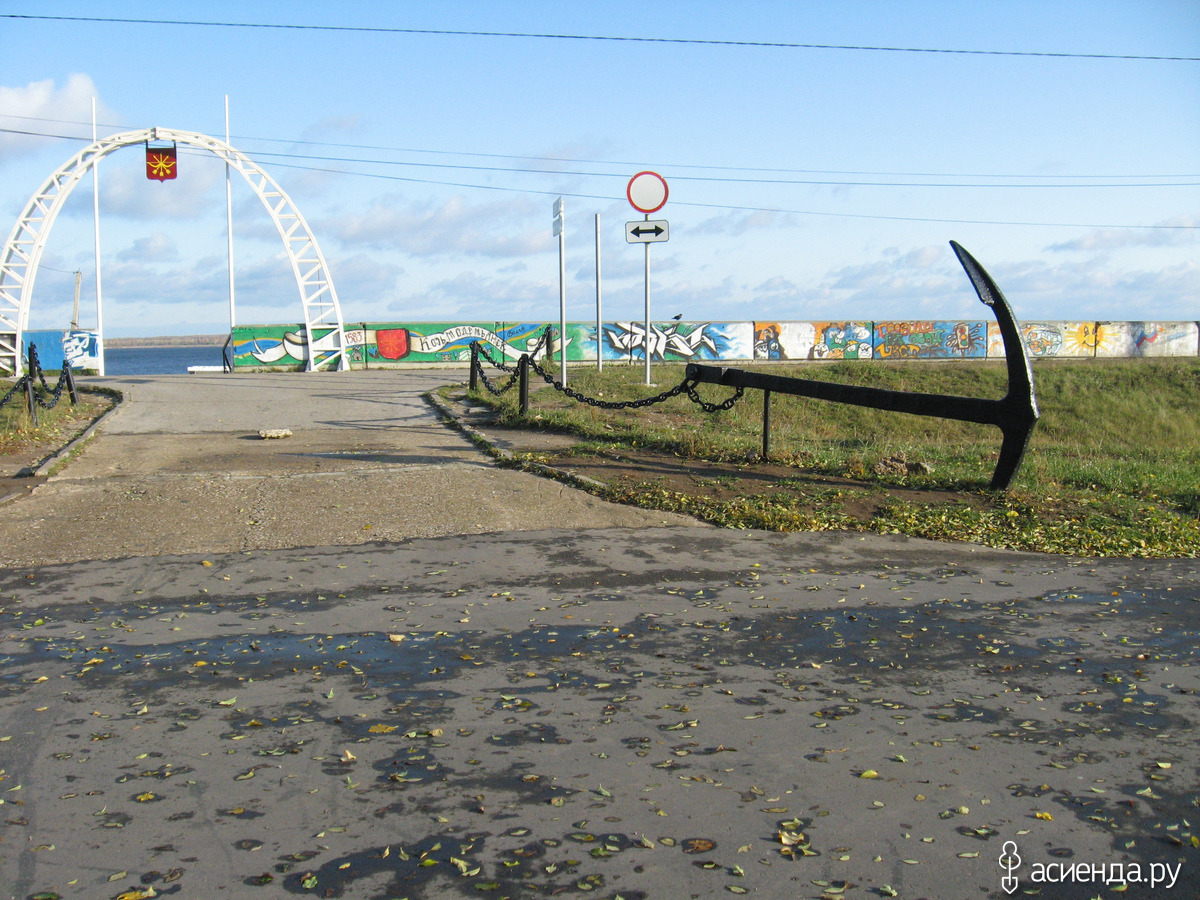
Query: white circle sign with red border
(647,192)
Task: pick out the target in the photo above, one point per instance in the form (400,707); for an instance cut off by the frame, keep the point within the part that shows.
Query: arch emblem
(323,325)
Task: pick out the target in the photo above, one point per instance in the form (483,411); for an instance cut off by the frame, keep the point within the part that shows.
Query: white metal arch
(22,254)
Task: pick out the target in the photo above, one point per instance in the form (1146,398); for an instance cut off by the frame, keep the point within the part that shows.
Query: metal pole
(229,221)
(523,383)
(599,324)
(766,450)
(31,372)
(473,382)
(562,308)
(96,232)
(647,335)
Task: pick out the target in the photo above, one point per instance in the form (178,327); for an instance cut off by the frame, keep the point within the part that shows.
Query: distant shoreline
(179,340)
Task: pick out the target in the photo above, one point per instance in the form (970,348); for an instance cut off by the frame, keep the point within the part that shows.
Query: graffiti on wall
(1147,339)
(843,340)
(383,344)
(80,348)
(283,346)
(930,340)
(445,342)
(677,341)
(812,340)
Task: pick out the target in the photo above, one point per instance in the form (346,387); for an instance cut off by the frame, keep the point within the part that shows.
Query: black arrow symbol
(639,231)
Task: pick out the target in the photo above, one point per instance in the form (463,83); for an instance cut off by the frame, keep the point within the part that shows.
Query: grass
(59,424)
(1113,467)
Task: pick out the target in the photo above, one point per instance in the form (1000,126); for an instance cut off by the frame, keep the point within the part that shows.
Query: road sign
(558,217)
(647,231)
(647,192)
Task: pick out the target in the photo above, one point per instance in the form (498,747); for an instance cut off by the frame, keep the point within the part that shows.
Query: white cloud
(46,108)
(155,248)
(1177,231)
(499,229)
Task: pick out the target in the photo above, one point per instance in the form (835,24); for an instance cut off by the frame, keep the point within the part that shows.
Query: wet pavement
(584,710)
(661,713)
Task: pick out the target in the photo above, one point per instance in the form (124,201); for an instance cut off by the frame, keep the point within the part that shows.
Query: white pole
(599,319)
(647,245)
(229,222)
(96,232)
(562,303)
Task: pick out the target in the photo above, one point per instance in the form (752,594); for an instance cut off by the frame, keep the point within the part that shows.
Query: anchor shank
(943,406)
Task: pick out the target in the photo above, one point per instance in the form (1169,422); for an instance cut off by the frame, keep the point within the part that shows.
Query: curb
(72,446)
(507,456)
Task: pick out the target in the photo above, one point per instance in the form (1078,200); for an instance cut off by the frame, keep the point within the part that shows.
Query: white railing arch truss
(324,329)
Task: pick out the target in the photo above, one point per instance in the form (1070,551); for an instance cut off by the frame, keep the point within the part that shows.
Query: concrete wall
(372,345)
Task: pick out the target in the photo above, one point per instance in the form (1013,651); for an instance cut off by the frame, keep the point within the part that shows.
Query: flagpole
(229,221)
(96,232)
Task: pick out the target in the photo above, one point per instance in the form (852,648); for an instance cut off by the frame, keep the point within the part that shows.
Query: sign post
(647,193)
(562,294)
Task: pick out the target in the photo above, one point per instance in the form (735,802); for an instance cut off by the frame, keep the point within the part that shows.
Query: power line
(609,197)
(781,45)
(721,179)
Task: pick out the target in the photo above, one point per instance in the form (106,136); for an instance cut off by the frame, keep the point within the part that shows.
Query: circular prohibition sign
(647,192)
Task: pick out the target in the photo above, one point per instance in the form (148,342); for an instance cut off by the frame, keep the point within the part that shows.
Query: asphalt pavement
(473,698)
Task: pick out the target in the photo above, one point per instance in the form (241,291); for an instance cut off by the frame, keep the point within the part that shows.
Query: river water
(158,360)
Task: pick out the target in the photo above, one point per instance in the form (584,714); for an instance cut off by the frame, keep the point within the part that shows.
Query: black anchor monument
(1015,414)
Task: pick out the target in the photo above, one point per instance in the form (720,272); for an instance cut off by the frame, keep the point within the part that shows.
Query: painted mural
(396,344)
(1147,339)
(813,340)
(677,341)
(278,346)
(1062,340)
(930,340)
(82,348)
(381,345)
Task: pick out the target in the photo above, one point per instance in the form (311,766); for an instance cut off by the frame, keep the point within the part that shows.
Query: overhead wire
(779,45)
(281,157)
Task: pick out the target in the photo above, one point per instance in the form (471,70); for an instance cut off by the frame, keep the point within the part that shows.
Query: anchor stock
(1015,414)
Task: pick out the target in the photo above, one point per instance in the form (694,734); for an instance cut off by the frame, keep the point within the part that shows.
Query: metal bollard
(473,383)
(523,383)
(766,447)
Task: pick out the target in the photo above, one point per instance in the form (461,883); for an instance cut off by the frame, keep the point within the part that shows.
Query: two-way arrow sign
(647,231)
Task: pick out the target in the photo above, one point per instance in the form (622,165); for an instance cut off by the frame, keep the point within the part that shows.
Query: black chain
(37,374)
(487,383)
(714,407)
(686,386)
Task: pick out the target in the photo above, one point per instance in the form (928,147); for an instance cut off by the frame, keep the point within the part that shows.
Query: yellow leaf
(382,729)
(869,773)
(229,702)
(396,638)
(1044,815)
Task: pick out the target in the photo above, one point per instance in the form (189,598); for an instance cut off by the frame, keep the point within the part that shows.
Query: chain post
(31,370)
(474,381)
(523,386)
(766,435)
(70,379)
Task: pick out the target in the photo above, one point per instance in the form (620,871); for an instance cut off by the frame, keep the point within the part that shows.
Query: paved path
(580,710)
(180,468)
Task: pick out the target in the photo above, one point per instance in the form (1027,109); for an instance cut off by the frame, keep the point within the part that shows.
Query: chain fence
(36,390)
(687,385)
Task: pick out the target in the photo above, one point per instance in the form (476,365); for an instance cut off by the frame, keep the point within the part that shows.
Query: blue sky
(806,182)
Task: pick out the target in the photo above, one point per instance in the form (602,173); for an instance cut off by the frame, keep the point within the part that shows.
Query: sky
(819,157)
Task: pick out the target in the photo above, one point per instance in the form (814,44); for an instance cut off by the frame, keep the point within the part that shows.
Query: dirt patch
(861,500)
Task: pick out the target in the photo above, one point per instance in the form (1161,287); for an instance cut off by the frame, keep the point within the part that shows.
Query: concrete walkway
(180,468)
(574,709)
